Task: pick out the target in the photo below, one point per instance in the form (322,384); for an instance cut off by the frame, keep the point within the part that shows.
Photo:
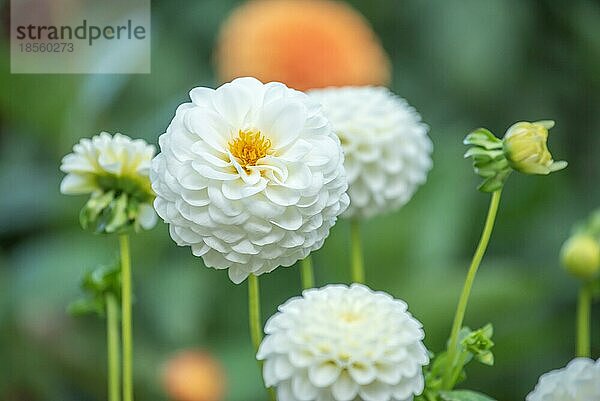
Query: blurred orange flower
(193,375)
(303,43)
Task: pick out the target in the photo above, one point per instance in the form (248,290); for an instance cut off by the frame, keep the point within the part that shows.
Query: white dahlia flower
(114,170)
(386,147)
(250,175)
(341,343)
(579,381)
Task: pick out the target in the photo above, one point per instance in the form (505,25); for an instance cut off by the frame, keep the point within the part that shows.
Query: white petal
(269,373)
(213,173)
(291,219)
(210,127)
(388,373)
(282,122)
(237,189)
(237,274)
(375,391)
(76,184)
(282,196)
(201,96)
(297,151)
(344,389)
(303,388)
(283,368)
(147,216)
(284,392)
(324,374)
(233,102)
(362,373)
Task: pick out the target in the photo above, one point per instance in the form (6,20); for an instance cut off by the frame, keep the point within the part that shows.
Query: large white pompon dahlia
(341,343)
(387,150)
(250,176)
(579,381)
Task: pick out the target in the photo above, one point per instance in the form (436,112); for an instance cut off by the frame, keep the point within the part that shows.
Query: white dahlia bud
(343,343)
(114,170)
(250,175)
(579,381)
(386,147)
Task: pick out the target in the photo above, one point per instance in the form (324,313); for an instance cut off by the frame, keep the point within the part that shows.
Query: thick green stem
(584,306)
(466,291)
(126,328)
(358,267)
(256,320)
(307,273)
(112,341)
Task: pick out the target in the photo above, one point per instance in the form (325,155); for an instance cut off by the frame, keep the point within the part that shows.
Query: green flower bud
(580,255)
(479,343)
(489,161)
(526,149)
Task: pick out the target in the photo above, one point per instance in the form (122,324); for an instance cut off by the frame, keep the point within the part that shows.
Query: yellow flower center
(350,317)
(249,147)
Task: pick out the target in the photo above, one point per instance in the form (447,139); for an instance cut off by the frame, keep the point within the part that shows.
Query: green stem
(256,320)
(584,306)
(358,267)
(466,291)
(126,328)
(254,311)
(307,273)
(112,341)
(458,368)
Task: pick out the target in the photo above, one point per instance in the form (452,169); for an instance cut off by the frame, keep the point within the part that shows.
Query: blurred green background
(461,64)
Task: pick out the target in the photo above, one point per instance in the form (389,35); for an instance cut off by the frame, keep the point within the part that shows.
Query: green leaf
(483,138)
(464,395)
(483,153)
(118,219)
(105,278)
(490,185)
(94,207)
(83,307)
(96,284)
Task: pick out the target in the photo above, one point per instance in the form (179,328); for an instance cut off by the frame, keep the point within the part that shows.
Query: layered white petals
(578,381)
(343,343)
(387,150)
(246,217)
(105,154)
(111,163)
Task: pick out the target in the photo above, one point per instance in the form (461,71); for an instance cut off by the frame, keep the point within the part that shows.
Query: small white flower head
(250,176)
(579,381)
(341,343)
(114,170)
(386,147)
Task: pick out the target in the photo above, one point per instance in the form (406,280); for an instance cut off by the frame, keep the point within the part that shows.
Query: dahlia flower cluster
(252,176)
